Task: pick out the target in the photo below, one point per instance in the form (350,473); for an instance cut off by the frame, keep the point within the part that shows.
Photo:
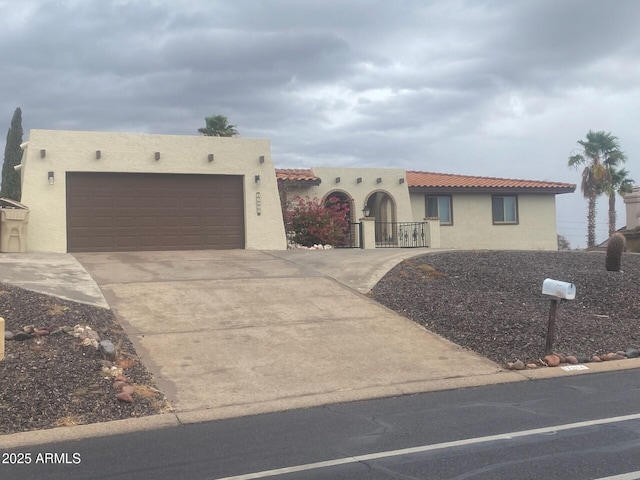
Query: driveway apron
(238,332)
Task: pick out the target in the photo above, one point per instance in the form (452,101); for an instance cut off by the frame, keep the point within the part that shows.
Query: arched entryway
(382,207)
(346,204)
(343,198)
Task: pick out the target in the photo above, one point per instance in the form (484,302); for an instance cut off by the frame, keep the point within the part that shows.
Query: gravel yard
(53,380)
(491,302)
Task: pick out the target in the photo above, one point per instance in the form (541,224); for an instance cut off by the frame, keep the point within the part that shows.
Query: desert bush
(309,222)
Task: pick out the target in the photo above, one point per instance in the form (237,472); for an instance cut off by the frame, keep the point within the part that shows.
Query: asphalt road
(576,427)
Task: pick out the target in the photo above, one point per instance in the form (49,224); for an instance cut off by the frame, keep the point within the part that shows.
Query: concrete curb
(175,419)
(79,432)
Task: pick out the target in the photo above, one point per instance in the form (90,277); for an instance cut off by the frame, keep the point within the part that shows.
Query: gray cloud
(464,86)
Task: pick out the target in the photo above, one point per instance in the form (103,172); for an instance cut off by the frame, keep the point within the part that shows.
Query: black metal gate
(353,238)
(401,234)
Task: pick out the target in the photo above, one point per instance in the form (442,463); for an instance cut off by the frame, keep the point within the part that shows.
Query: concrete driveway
(230,333)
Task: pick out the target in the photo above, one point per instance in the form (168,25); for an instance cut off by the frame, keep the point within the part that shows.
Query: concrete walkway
(57,274)
(230,333)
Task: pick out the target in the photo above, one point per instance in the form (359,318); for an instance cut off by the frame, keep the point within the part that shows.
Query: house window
(505,209)
(440,207)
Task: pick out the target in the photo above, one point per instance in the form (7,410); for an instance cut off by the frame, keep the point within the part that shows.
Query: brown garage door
(140,211)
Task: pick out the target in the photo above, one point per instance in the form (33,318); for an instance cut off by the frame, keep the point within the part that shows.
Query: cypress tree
(11,187)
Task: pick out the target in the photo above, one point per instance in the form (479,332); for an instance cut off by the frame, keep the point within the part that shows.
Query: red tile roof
(452,181)
(296,174)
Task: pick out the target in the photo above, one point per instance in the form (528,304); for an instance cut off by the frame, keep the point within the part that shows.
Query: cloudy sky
(478,87)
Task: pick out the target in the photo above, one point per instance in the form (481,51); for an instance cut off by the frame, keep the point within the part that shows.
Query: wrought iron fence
(401,234)
(353,237)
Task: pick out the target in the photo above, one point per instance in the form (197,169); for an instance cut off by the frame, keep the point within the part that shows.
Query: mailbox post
(557,290)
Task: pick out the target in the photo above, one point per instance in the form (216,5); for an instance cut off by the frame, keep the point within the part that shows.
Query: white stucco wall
(72,151)
(360,192)
(473,226)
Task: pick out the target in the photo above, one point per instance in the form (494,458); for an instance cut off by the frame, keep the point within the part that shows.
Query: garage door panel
(122,212)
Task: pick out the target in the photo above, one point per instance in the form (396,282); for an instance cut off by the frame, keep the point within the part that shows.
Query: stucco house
(100,191)
(457,211)
(97,191)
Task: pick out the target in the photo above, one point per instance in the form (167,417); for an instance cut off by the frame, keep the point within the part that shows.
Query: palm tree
(600,151)
(620,183)
(218,126)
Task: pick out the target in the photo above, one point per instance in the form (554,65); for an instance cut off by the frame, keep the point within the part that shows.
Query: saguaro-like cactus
(615,247)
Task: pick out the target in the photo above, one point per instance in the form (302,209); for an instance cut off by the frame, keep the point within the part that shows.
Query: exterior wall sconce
(366,210)
(210,157)
(337,179)
(261,158)
(257,178)
(379,180)
(359,180)
(401,181)
(43,153)
(50,177)
(98,154)
(157,155)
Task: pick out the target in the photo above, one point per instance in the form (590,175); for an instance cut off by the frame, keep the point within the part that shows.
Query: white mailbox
(558,289)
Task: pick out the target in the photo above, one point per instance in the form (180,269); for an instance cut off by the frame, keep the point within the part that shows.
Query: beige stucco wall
(360,192)
(72,151)
(473,226)
(632,208)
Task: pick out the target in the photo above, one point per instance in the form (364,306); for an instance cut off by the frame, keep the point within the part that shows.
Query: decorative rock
(618,357)
(92,334)
(632,353)
(108,349)
(518,365)
(532,365)
(570,359)
(124,397)
(596,358)
(67,329)
(21,336)
(41,332)
(582,359)
(621,353)
(552,360)
(561,357)
(106,364)
(8,335)
(128,389)
(29,329)
(117,386)
(121,378)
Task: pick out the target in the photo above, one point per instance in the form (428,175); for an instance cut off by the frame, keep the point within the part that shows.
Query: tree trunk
(612,213)
(591,223)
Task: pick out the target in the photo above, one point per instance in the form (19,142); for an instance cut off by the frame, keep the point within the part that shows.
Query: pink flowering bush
(309,222)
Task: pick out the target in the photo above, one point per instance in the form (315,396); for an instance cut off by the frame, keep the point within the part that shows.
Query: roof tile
(447,180)
(296,174)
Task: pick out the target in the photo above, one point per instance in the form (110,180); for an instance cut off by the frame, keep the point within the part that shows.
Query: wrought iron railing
(353,238)
(401,234)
